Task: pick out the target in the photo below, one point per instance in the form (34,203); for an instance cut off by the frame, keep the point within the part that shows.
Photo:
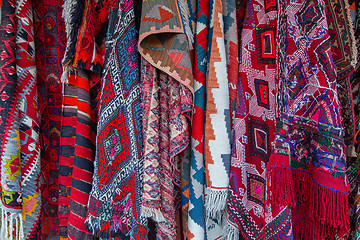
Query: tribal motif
(309,129)
(249,210)
(115,198)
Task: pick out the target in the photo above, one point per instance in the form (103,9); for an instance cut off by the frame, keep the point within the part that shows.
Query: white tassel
(10,223)
(215,202)
(154,214)
(231,231)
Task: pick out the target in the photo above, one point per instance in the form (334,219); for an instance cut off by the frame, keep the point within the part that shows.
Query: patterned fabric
(217,139)
(308,131)
(162,40)
(343,51)
(29,120)
(166,132)
(249,210)
(11,175)
(354,191)
(50,41)
(196,215)
(115,198)
(77,143)
(165,24)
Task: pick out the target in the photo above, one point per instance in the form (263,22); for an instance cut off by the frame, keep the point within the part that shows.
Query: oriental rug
(115,198)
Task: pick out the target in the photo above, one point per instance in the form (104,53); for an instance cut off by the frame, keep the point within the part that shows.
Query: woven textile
(168,52)
(343,51)
(217,139)
(50,41)
(115,198)
(77,142)
(308,158)
(196,215)
(11,175)
(166,130)
(249,211)
(78,122)
(29,120)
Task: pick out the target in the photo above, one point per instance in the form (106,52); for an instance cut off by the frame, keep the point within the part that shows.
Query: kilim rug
(78,122)
(29,122)
(115,198)
(11,177)
(50,40)
(166,105)
(77,142)
(343,52)
(196,215)
(250,213)
(217,122)
(308,159)
(163,42)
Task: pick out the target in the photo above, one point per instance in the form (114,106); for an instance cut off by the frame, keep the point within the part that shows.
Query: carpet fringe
(215,202)
(154,214)
(231,231)
(10,223)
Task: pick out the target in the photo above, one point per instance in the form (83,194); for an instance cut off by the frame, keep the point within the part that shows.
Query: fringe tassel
(329,210)
(303,229)
(154,214)
(215,202)
(281,184)
(105,229)
(231,232)
(11,226)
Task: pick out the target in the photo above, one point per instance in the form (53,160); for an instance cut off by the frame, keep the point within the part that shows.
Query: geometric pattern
(256,188)
(262,93)
(259,144)
(112,146)
(265,44)
(308,16)
(297,82)
(168,51)
(196,216)
(77,153)
(118,169)
(249,211)
(50,40)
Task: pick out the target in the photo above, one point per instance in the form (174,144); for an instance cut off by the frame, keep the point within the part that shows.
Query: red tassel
(281,185)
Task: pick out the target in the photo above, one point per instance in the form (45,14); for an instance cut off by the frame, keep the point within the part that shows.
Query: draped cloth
(115,199)
(82,62)
(249,212)
(196,228)
(50,40)
(77,154)
(166,129)
(308,158)
(19,124)
(217,118)
(167,88)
